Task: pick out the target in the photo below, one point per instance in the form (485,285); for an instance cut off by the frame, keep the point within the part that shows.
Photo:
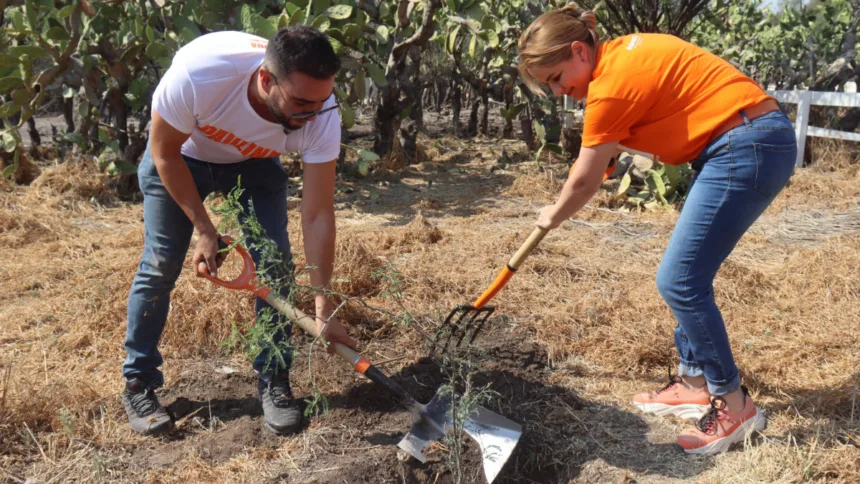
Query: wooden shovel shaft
(247,280)
(359,362)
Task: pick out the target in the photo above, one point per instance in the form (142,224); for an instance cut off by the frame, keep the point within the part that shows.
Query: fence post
(567,105)
(801,124)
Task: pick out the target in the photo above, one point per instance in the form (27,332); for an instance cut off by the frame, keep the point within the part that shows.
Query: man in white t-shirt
(227,107)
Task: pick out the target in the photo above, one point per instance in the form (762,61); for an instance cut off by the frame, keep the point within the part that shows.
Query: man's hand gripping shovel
(496,435)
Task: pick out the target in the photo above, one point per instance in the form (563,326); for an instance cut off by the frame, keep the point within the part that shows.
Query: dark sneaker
(281,411)
(145,414)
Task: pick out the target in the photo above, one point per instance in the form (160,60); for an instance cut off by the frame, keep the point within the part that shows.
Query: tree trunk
(508,131)
(441,95)
(485,113)
(341,158)
(384,122)
(120,117)
(415,88)
(571,139)
(35,138)
(456,103)
(69,114)
(527,128)
(426,95)
(472,127)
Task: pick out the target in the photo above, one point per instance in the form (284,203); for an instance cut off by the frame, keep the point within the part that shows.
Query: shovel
(496,436)
(465,321)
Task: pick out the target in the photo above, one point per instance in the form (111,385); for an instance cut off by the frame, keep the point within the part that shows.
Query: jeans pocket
(774,166)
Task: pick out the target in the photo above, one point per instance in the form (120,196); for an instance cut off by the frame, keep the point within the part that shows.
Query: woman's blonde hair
(547,40)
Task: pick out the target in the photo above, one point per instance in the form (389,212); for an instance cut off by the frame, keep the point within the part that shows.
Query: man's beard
(284,121)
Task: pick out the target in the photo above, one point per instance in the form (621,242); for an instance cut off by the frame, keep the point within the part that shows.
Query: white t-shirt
(205,93)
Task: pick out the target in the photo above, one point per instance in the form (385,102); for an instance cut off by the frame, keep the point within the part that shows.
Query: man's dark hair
(304,49)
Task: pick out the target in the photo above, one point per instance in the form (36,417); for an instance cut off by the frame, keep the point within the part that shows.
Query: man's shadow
(561,430)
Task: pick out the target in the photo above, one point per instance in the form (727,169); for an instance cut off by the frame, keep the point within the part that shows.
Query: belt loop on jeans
(746,119)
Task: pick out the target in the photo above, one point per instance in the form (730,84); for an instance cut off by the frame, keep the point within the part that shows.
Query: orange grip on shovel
(246,279)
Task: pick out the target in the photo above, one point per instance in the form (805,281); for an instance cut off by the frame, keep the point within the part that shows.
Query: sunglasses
(305,114)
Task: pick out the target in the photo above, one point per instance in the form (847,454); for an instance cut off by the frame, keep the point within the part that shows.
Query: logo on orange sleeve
(251,150)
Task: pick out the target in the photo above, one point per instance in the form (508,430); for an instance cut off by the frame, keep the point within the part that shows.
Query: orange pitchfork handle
(534,239)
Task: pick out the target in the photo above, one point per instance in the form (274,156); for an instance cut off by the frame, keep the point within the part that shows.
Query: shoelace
(145,402)
(708,423)
(280,394)
(673,380)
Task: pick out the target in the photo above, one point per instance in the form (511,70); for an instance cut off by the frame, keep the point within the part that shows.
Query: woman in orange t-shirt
(659,95)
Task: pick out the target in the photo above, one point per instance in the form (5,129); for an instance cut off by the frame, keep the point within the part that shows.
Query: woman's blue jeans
(738,176)
(167,236)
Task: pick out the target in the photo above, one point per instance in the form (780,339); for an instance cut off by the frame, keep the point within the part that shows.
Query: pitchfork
(465,321)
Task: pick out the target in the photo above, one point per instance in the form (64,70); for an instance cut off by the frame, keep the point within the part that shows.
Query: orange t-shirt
(661,95)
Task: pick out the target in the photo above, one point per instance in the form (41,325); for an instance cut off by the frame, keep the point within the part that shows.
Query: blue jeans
(738,175)
(167,235)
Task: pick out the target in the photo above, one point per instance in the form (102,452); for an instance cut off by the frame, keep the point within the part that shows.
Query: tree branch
(402,20)
(369,7)
(420,37)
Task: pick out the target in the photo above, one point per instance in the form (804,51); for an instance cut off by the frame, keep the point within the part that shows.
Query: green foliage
(267,332)
(664,185)
(545,135)
(789,47)
(459,369)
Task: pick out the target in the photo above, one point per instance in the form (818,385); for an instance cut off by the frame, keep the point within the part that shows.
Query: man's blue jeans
(738,175)
(167,235)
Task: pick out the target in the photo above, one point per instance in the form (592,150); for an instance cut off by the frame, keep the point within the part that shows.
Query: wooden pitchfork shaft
(508,271)
(516,261)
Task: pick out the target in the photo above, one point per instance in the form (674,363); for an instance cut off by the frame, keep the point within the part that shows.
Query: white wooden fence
(805,99)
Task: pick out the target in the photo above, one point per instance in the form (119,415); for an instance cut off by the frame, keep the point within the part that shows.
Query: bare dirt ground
(577,332)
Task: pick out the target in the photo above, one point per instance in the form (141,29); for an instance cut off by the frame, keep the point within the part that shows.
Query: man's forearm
(179,183)
(319,238)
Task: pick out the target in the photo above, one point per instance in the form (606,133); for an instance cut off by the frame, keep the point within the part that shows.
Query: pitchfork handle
(534,239)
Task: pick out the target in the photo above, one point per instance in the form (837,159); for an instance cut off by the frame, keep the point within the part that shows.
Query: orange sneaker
(675,399)
(719,428)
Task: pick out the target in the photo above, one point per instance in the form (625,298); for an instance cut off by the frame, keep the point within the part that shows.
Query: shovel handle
(358,362)
(247,279)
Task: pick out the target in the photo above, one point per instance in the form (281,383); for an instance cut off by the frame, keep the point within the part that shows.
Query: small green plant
(268,332)
(274,271)
(460,368)
(543,135)
(511,113)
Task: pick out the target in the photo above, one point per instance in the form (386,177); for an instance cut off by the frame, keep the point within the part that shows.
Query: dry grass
(790,294)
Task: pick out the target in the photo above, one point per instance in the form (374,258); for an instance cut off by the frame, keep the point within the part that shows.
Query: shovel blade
(496,436)
(430,423)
